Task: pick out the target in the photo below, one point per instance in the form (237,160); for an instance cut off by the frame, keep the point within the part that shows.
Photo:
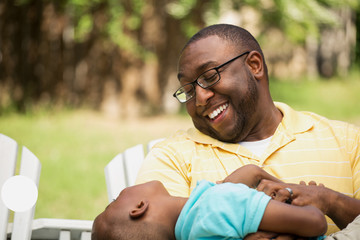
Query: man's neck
(266,127)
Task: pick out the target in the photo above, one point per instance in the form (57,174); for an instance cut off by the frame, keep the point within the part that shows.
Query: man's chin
(225,135)
(228,139)
(223,138)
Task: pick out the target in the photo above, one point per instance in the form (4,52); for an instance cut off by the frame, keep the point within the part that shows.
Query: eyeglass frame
(205,87)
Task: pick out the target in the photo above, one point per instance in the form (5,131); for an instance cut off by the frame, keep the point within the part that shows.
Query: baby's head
(112,227)
(144,211)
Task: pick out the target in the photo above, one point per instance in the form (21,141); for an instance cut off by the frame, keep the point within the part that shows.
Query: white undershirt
(257,147)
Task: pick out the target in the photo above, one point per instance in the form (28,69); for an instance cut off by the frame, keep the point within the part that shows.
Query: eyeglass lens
(205,80)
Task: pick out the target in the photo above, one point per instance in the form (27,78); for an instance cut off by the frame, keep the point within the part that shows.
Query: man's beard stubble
(245,110)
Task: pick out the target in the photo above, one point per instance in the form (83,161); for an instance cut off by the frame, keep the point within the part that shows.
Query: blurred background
(82,80)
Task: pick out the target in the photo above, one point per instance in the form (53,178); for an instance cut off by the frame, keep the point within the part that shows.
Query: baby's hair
(129,230)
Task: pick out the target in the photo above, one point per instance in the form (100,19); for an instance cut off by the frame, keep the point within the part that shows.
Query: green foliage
(304,18)
(84,27)
(180,9)
(357,49)
(123,23)
(183,10)
(122,20)
(298,19)
(20,2)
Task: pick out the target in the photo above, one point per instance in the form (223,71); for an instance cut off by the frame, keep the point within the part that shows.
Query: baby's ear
(139,210)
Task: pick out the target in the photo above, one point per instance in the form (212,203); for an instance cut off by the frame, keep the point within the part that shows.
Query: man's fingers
(282,195)
(268,186)
(313,183)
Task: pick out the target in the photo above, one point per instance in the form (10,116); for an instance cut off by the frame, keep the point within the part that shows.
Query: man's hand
(302,194)
(339,207)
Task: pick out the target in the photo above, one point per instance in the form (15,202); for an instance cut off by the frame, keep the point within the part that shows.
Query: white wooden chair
(30,167)
(122,170)
(24,227)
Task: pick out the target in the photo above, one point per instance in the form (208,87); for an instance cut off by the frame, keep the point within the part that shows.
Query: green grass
(333,99)
(75,146)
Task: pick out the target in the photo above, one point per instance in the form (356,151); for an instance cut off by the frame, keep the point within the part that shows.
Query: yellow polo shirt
(304,147)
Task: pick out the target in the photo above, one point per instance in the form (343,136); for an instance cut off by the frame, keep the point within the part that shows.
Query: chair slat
(65,235)
(134,157)
(30,167)
(8,156)
(85,236)
(122,170)
(115,177)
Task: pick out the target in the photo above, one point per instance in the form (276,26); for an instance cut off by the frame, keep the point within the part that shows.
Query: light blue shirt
(221,211)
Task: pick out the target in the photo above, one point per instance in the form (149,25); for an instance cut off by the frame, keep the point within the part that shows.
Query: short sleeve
(226,210)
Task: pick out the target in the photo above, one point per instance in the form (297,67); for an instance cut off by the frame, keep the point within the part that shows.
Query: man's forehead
(208,44)
(201,54)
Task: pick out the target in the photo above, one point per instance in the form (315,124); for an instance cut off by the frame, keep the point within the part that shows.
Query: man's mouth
(217,111)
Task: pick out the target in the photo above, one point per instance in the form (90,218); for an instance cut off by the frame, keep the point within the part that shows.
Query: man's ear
(139,210)
(256,64)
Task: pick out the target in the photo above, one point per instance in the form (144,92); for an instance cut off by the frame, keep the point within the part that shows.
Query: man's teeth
(218,111)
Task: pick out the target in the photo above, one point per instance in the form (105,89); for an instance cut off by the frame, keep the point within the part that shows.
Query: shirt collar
(294,121)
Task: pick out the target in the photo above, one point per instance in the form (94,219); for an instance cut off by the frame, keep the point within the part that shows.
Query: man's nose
(202,95)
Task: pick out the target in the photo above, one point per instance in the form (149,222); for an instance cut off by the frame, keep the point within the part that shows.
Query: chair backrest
(61,229)
(30,167)
(24,227)
(8,154)
(122,170)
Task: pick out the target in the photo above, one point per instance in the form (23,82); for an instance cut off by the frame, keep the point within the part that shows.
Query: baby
(227,210)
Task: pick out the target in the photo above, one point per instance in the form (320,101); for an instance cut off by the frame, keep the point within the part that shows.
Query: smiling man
(225,86)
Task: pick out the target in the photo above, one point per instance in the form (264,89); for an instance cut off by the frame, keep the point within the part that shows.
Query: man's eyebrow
(207,64)
(202,68)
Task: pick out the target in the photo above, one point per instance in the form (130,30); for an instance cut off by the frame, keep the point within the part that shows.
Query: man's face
(227,110)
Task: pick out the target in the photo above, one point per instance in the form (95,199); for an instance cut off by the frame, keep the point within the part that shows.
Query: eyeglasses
(205,80)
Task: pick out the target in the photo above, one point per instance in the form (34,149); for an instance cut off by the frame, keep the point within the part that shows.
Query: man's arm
(305,221)
(251,175)
(339,207)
